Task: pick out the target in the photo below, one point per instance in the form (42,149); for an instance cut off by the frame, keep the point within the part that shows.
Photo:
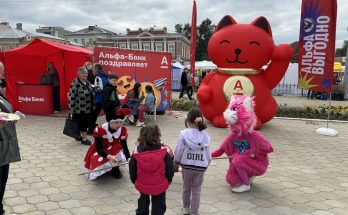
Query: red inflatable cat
(240,51)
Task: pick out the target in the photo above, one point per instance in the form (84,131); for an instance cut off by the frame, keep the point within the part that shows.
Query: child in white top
(192,153)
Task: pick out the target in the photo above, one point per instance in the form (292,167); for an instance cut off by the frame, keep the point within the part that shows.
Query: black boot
(116,173)
(86,142)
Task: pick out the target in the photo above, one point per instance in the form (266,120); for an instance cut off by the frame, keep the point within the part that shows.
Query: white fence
(288,89)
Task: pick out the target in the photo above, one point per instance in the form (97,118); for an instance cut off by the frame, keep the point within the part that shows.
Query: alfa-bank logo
(164,63)
(30,99)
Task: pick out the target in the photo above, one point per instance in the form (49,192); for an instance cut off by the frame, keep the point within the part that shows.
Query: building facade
(152,39)
(88,36)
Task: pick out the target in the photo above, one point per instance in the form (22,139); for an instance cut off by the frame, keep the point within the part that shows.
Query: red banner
(317,44)
(147,68)
(193,42)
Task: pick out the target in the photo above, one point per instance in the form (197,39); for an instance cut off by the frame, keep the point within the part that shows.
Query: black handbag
(71,128)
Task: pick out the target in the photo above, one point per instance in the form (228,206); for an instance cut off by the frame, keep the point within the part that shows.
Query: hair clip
(198,119)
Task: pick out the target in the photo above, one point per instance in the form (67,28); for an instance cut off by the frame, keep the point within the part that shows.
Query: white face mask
(89,67)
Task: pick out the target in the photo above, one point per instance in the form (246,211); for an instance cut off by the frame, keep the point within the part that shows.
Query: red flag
(316,50)
(193,42)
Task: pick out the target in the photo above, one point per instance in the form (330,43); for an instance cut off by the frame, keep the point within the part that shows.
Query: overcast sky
(117,15)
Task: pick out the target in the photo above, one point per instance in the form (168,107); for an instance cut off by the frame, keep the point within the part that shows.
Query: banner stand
(327,131)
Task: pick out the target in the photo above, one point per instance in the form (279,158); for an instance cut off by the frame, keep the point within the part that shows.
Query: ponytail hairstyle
(195,117)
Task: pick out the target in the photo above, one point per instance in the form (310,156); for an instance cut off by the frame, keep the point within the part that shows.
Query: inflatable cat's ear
(263,23)
(226,21)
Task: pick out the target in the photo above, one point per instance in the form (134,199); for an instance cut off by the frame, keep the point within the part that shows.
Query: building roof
(11,33)
(146,35)
(7,32)
(92,30)
(43,47)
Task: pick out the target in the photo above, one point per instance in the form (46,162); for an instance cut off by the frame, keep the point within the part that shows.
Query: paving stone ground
(308,174)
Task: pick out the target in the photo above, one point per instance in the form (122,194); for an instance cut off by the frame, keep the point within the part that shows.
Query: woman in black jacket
(184,83)
(53,75)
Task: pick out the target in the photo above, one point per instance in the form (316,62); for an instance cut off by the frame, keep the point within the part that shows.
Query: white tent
(178,65)
(291,75)
(204,65)
(177,69)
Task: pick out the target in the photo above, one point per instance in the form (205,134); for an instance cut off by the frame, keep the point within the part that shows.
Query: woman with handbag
(9,152)
(81,103)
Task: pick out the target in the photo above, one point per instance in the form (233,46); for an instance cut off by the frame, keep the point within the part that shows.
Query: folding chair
(153,112)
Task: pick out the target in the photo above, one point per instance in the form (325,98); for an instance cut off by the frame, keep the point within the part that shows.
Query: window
(75,41)
(90,41)
(146,46)
(135,46)
(83,42)
(159,47)
(123,45)
(171,48)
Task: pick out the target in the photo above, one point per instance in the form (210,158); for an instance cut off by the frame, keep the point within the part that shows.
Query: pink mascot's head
(240,115)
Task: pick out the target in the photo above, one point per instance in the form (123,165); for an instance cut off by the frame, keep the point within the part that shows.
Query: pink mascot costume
(246,148)
(242,52)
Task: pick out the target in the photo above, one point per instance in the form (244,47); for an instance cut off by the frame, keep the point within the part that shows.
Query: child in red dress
(109,147)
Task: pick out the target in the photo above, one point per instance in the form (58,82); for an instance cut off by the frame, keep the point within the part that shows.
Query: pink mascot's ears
(248,103)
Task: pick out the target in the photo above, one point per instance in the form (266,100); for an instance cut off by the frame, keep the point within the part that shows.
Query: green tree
(186,29)
(204,32)
(342,52)
(294,58)
(178,28)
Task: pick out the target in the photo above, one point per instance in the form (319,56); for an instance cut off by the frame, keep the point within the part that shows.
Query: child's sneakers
(186,211)
(241,188)
(140,124)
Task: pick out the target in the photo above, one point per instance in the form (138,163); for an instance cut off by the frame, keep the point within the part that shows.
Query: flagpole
(327,131)
(328,113)
(193,43)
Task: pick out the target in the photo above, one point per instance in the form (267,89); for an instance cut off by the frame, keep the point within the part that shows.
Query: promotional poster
(147,68)
(317,44)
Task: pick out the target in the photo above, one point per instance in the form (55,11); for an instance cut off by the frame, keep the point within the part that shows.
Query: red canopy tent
(27,63)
